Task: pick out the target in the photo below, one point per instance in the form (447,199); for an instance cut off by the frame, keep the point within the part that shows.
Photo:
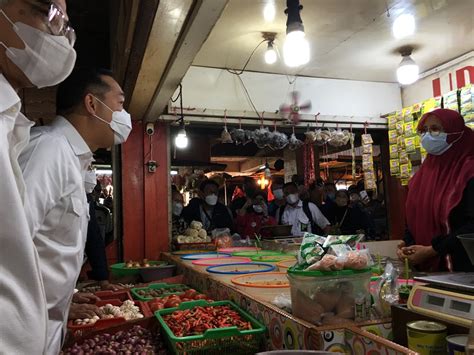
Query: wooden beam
(201,21)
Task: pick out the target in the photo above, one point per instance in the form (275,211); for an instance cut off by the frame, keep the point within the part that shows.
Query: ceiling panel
(349,39)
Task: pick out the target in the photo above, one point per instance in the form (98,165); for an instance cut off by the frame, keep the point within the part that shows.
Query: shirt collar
(8,97)
(299,205)
(78,144)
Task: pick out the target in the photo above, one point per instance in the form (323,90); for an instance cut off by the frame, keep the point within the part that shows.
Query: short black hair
(82,81)
(343,192)
(203,184)
(288,184)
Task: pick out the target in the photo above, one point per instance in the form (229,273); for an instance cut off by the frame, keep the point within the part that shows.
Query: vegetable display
(194,234)
(152,293)
(137,264)
(175,300)
(197,320)
(127,310)
(136,340)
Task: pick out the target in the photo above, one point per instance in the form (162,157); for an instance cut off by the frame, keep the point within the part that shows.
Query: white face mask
(258,208)
(278,193)
(121,124)
(437,145)
(90,181)
(211,199)
(177,208)
(46,60)
(292,198)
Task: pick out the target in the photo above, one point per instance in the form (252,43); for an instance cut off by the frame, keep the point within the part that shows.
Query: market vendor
(440,202)
(253,216)
(303,216)
(179,225)
(207,209)
(346,218)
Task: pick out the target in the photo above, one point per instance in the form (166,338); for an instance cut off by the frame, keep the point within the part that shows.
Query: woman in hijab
(344,218)
(440,202)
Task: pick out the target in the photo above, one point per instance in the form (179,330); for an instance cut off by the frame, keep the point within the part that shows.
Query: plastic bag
(311,249)
(294,142)
(262,137)
(283,301)
(278,141)
(226,137)
(386,292)
(238,136)
(222,238)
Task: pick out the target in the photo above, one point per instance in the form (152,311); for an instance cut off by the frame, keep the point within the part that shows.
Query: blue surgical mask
(435,145)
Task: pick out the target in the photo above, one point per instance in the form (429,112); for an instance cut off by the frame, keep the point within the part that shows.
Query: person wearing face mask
(54,164)
(303,216)
(207,209)
(346,218)
(279,200)
(36,50)
(178,224)
(253,216)
(440,201)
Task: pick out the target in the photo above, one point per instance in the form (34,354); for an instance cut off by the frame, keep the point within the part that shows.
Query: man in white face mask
(36,50)
(55,162)
(207,209)
(303,216)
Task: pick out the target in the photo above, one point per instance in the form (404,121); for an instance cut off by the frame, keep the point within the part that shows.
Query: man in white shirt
(302,216)
(54,166)
(36,50)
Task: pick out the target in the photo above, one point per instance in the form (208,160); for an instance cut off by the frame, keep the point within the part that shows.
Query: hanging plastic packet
(394,167)
(311,249)
(409,129)
(410,145)
(386,292)
(367,149)
(367,139)
(350,240)
(393,151)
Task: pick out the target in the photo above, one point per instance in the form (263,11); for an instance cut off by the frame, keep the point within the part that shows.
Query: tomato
(190,293)
(200,297)
(172,303)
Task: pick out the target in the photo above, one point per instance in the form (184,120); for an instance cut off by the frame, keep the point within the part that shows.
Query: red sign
(460,80)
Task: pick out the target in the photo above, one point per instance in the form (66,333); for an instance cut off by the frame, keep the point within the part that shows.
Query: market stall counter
(286,331)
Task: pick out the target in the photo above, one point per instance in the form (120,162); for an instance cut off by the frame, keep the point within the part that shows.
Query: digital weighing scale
(447,296)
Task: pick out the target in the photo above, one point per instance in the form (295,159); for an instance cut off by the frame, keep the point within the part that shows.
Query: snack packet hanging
(350,240)
(367,139)
(311,249)
(386,292)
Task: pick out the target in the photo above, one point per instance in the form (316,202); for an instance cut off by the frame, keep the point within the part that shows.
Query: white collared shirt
(22,299)
(54,165)
(299,221)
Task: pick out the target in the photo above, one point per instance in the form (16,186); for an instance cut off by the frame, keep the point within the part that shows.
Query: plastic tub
(198,256)
(240,269)
(157,273)
(237,249)
(345,294)
(120,270)
(253,254)
(273,258)
(286,264)
(221,261)
(163,289)
(265,286)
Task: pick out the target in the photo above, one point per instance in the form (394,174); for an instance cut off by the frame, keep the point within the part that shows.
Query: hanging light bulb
(181,140)
(403,26)
(408,71)
(269,11)
(296,47)
(270,54)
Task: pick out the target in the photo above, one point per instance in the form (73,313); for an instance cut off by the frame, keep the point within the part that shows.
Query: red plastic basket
(81,330)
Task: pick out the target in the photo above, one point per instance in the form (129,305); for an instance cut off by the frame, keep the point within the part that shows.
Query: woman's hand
(107,286)
(418,254)
(82,311)
(401,255)
(82,297)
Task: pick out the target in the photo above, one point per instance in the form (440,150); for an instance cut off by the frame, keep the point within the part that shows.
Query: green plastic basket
(273,258)
(120,270)
(159,286)
(217,341)
(295,270)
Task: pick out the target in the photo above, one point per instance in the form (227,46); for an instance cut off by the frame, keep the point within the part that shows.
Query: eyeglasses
(59,25)
(435,131)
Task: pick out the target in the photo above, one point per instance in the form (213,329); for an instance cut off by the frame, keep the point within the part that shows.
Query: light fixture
(296,46)
(403,26)
(408,71)
(269,11)
(181,140)
(270,54)
(263,182)
(173,172)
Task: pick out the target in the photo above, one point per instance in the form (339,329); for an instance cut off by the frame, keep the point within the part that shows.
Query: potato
(202,234)
(345,307)
(328,298)
(191,232)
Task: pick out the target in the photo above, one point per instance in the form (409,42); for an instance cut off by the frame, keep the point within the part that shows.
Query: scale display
(454,307)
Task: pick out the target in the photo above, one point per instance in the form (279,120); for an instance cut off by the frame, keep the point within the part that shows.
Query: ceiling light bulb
(296,49)
(181,140)
(408,71)
(269,11)
(173,172)
(270,54)
(403,26)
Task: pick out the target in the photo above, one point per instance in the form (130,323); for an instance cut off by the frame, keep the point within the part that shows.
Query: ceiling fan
(292,112)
